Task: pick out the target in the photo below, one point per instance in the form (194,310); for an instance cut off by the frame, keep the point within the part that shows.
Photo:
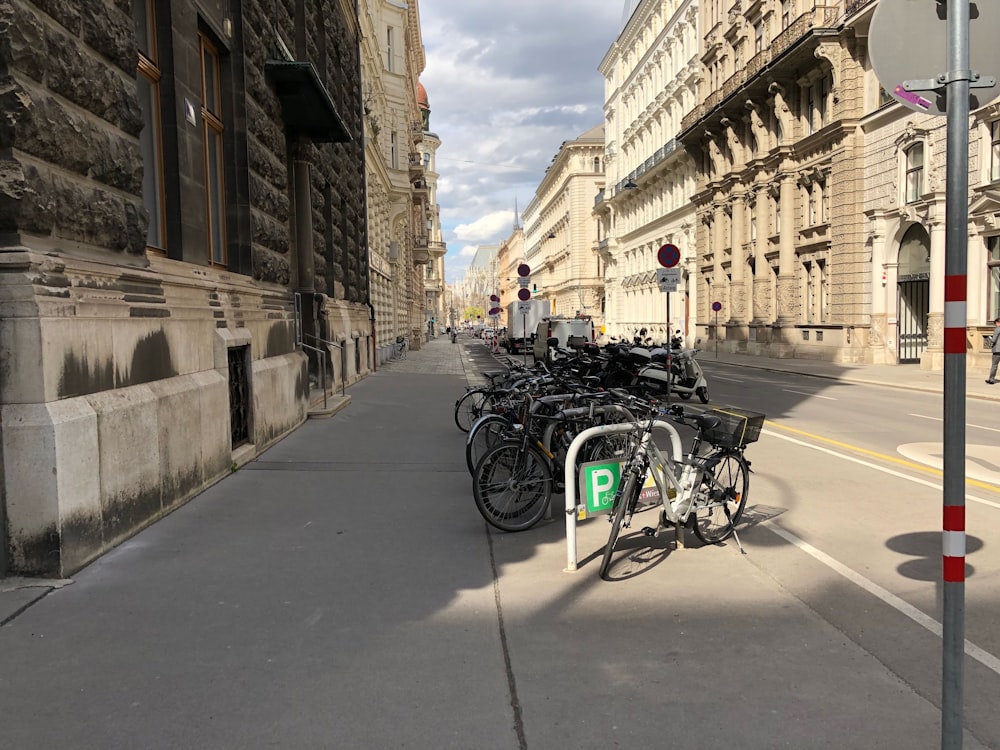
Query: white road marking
(967,424)
(870,465)
(981,655)
(732,380)
(806,393)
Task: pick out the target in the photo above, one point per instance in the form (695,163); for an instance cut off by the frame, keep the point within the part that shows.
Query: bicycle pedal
(649,531)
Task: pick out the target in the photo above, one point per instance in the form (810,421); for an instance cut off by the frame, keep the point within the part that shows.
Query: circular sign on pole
(494,311)
(716,306)
(908,41)
(668,256)
(494,298)
(524,294)
(523,270)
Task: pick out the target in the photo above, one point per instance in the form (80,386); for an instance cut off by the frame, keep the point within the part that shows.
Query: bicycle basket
(737,428)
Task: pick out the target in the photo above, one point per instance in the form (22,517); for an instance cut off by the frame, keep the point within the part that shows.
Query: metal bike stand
(677,453)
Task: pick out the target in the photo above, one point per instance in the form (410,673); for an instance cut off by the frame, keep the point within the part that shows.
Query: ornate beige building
(560,234)
(651,75)
(396,183)
(820,200)
(435,307)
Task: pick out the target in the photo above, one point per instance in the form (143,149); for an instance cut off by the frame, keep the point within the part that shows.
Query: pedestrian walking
(995,348)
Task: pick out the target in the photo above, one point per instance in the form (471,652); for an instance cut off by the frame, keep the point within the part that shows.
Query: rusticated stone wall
(70,170)
(115,365)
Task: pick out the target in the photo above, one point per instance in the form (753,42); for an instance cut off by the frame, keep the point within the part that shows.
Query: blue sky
(507,84)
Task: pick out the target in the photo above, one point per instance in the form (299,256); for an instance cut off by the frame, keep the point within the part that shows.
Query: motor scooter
(675,371)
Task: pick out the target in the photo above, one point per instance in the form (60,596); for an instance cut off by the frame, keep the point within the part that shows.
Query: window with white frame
(914,172)
(389,51)
(993,274)
(995,151)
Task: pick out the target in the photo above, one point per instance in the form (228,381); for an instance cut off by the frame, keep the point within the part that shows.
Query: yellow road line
(881,456)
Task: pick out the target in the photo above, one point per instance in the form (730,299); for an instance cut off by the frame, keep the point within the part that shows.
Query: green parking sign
(598,483)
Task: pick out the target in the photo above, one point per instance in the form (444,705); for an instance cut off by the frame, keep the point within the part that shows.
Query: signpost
(929,56)
(716,306)
(524,294)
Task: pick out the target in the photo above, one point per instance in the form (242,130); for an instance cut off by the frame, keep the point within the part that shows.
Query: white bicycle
(707,492)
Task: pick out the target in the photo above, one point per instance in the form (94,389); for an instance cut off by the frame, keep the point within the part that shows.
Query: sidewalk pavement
(342,591)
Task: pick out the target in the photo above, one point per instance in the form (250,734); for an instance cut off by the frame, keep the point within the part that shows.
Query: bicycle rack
(570,473)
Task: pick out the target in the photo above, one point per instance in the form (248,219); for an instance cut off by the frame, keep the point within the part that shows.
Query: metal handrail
(343,361)
(322,366)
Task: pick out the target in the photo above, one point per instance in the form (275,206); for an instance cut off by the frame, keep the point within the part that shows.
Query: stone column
(305,281)
(786,252)
(718,275)
(762,271)
(933,357)
(738,293)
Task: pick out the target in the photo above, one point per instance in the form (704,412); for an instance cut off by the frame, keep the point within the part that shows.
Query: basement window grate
(239,394)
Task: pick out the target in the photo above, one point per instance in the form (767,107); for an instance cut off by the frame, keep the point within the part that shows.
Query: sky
(507,83)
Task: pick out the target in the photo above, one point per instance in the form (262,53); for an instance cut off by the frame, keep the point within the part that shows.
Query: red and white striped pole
(958,77)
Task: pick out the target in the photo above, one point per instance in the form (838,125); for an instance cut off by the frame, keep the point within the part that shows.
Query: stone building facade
(396,183)
(650,74)
(560,234)
(173,236)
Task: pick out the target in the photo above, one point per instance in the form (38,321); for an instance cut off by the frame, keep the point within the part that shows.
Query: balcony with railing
(822,16)
(856,6)
(421,249)
(658,156)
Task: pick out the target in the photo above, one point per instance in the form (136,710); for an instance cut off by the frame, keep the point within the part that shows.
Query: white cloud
(468,251)
(486,228)
(507,84)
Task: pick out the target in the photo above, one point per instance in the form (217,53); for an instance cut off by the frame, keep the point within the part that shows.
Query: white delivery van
(521,325)
(571,332)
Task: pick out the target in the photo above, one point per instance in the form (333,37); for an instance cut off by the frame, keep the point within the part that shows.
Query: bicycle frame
(678,489)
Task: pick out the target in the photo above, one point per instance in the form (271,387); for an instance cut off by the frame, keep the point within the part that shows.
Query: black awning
(306,106)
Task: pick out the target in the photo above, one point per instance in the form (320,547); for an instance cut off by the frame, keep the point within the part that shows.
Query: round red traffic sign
(668,255)
(524,294)
(494,311)
(523,270)
(494,298)
(716,306)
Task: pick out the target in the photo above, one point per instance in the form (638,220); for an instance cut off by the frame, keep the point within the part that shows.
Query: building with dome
(401,219)
(435,304)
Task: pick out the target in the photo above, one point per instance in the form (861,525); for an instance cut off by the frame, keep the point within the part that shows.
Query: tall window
(786,13)
(914,172)
(758,37)
(148,89)
(211,115)
(389,64)
(393,151)
(995,151)
(993,267)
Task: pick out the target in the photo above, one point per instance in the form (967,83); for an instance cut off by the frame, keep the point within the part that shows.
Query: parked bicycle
(706,492)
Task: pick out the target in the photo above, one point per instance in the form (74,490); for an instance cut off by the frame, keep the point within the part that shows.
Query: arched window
(914,172)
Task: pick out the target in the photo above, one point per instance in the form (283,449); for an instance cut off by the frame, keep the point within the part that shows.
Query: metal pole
(524,338)
(955,321)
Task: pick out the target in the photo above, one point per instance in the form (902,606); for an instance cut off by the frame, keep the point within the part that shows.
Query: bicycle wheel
(722,497)
(625,504)
(487,432)
(469,408)
(512,485)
